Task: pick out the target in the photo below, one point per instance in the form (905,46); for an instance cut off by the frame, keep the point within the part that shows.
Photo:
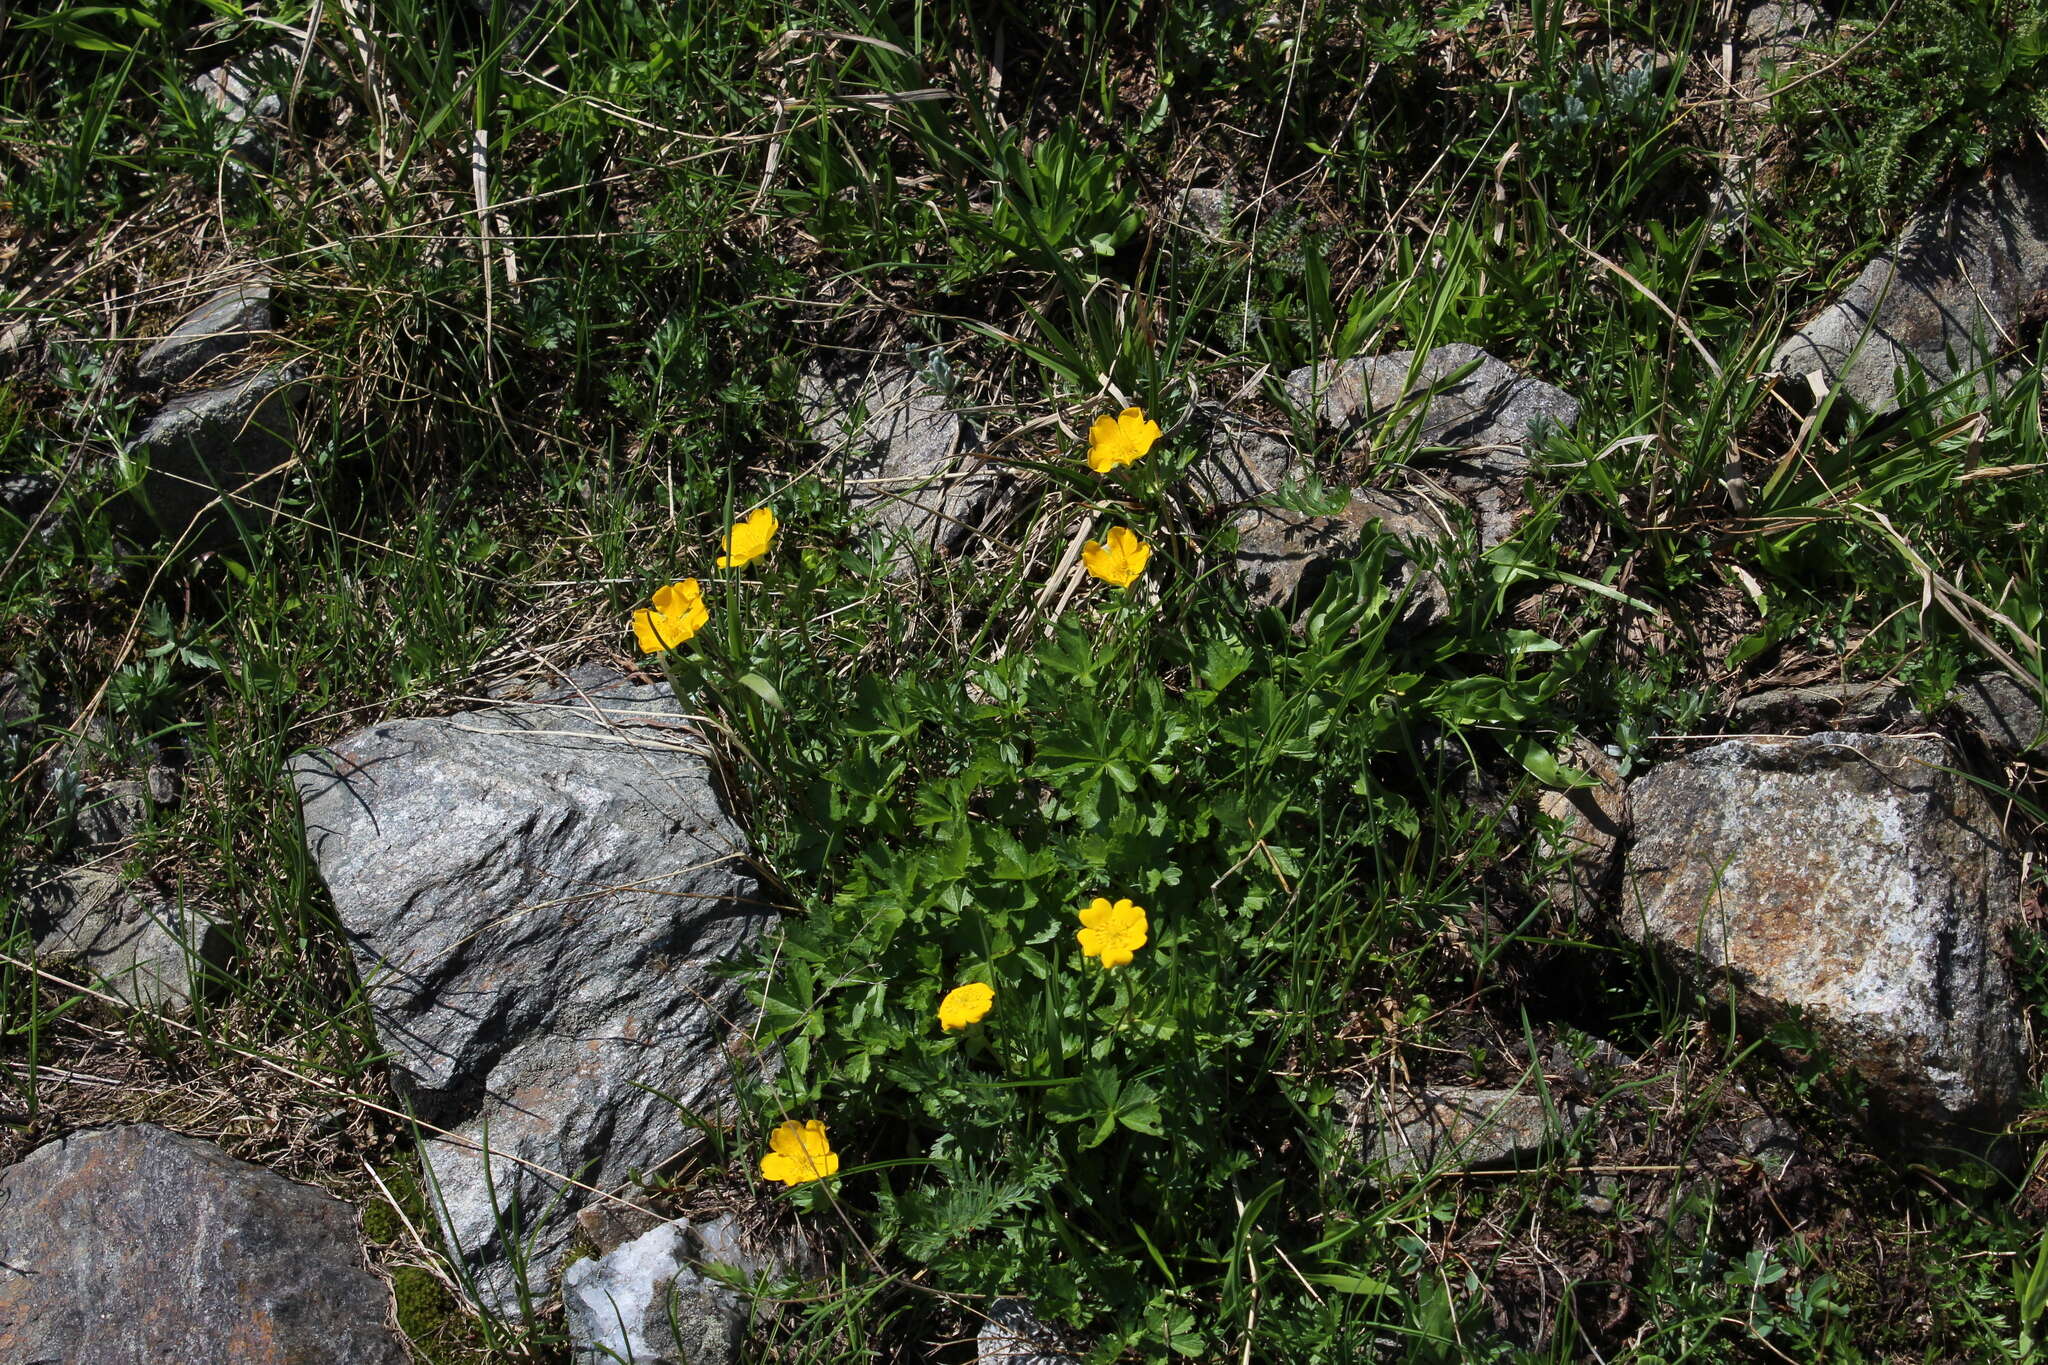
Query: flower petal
(644,631)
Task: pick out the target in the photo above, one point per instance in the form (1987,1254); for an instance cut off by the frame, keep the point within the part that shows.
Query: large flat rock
(1856,880)
(1943,303)
(131,1245)
(539,897)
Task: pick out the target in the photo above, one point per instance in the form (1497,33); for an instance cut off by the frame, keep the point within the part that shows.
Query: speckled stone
(135,1246)
(1855,879)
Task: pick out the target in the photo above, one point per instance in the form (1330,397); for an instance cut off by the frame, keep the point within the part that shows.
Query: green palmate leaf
(1223,662)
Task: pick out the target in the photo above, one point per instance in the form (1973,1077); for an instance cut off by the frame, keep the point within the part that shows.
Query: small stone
(17,344)
(720,1242)
(217,440)
(1775,35)
(1014,1335)
(1601,1199)
(24,495)
(18,708)
(1855,880)
(249,95)
(148,953)
(107,811)
(111,813)
(1770,1144)
(1456,1128)
(217,330)
(897,443)
(1486,420)
(1205,212)
(1284,556)
(645,1303)
(2005,715)
(1591,823)
(1831,706)
(1943,303)
(136,1244)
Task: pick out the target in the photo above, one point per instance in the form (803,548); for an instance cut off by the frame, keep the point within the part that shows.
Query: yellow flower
(965,1005)
(1119,561)
(679,612)
(1112,932)
(1120,439)
(799,1152)
(749,538)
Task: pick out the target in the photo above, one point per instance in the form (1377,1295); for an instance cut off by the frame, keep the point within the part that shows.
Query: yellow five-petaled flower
(798,1152)
(1120,439)
(1112,932)
(749,538)
(678,613)
(1118,558)
(965,1005)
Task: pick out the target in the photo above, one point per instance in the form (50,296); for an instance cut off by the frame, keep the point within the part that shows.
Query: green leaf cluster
(1249,785)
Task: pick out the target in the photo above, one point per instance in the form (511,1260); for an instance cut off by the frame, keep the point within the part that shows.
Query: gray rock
(1585,841)
(149,953)
(1770,1144)
(1205,212)
(1239,463)
(1776,34)
(216,330)
(84,774)
(1455,1128)
(645,1303)
(1856,880)
(111,813)
(2005,715)
(17,344)
(24,495)
(18,707)
(1601,1057)
(1014,1335)
(1487,420)
(129,1245)
(217,440)
(1601,1197)
(1284,556)
(1944,302)
(897,444)
(538,897)
(720,1242)
(249,97)
(1830,706)
(39,346)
